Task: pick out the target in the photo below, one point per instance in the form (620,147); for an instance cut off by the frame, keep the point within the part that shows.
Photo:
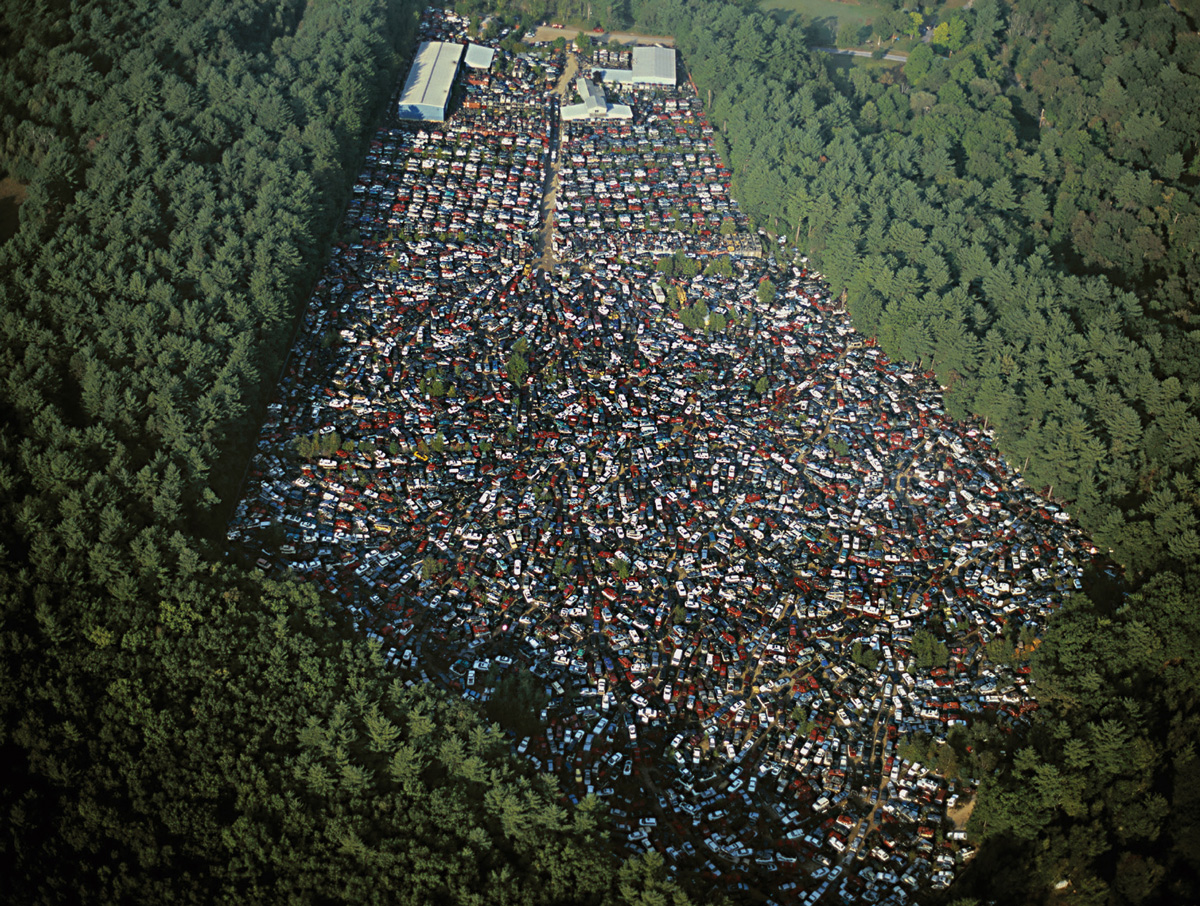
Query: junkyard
(658,478)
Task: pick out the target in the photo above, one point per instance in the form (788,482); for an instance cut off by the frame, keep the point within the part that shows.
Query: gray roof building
(654,65)
(651,66)
(427,90)
(479,57)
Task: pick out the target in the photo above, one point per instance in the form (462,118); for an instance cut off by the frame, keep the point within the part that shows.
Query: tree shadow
(823,30)
(996,866)
(10,219)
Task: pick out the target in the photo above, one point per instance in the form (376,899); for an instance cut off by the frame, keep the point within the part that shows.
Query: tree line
(176,727)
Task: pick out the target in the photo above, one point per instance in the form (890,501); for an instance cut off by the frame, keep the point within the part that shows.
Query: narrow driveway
(895,57)
(550,192)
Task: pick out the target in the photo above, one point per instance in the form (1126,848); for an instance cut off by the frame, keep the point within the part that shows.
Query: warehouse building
(651,66)
(427,90)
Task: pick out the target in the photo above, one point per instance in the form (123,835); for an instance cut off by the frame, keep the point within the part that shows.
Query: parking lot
(711,521)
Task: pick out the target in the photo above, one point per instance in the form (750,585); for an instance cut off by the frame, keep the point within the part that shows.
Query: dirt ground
(550,196)
(961,813)
(545,33)
(12,194)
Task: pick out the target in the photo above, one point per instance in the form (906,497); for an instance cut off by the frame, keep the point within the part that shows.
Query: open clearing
(546,33)
(961,813)
(828,15)
(12,196)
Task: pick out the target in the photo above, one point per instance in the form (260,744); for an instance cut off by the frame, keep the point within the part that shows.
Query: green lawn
(827,15)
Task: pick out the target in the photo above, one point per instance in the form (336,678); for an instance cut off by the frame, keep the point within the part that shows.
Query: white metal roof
(479,57)
(654,65)
(592,94)
(594,105)
(651,66)
(429,80)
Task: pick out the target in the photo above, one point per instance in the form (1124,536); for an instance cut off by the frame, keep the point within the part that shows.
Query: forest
(1015,208)
(178,728)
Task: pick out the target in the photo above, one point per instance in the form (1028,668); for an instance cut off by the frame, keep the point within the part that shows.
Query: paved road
(896,57)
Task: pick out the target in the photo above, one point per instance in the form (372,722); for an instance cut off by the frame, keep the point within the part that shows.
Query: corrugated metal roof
(651,66)
(595,105)
(655,65)
(429,81)
(617,76)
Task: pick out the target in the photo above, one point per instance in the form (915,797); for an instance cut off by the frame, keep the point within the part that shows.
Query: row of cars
(651,185)
(479,175)
(720,544)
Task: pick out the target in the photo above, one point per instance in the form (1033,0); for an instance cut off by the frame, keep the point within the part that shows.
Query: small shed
(479,57)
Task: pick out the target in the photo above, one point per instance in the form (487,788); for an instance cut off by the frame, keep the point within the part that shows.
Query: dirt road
(550,194)
(545,33)
(894,57)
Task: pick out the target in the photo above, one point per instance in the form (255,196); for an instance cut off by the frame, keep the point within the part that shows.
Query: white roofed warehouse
(427,90)
(654,65)
(651,66)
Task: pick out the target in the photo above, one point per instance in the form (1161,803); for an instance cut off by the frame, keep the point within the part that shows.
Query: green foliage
(434,382)
(644,882)
(430,567)
(804,726)
(920,748)
(1018,222)
(951,34)
(1103,792)
(680,264)
(865,656)
(517,367)
(850,34)
(720,266)
(929,650)
(318,444)
(695,316)
(1001,650)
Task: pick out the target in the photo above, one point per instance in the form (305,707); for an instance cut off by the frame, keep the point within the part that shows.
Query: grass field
(842,66)
(827,15)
